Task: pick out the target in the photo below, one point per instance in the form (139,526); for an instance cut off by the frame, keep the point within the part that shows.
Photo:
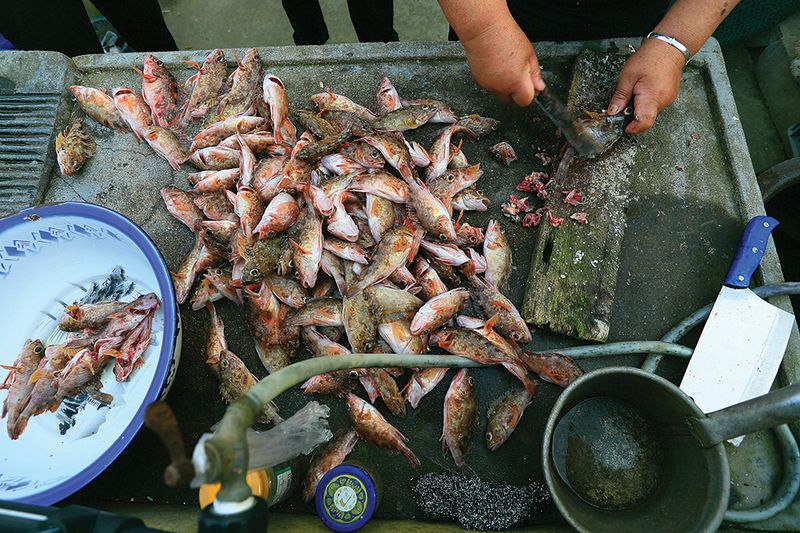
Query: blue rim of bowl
(131,230)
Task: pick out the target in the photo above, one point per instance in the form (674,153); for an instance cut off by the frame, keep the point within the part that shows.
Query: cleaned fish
(479,125)
(78,317)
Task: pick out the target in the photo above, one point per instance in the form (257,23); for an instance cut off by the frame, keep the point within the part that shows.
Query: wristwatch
(687,55)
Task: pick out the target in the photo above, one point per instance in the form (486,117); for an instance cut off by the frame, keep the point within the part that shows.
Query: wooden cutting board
(573,276)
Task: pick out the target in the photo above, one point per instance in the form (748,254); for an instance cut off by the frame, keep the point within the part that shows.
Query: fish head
(497,432)
(33,347)
(470,235)
(68,163)
(251,58)
(120,91)
(154,67)
(216,56)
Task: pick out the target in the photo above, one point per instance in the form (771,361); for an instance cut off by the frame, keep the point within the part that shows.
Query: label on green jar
(283,483)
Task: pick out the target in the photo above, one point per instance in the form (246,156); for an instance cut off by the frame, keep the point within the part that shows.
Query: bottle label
(283,482)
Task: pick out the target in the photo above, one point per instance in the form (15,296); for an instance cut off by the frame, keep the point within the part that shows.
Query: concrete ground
(204,24)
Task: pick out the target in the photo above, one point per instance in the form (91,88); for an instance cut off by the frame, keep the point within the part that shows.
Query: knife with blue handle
(741,347)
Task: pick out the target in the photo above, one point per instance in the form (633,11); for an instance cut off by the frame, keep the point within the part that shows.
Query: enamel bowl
(55,255)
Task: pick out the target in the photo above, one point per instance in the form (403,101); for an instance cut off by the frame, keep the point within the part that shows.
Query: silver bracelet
(687,55)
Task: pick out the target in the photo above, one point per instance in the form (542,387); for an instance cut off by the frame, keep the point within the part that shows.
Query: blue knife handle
(751,250)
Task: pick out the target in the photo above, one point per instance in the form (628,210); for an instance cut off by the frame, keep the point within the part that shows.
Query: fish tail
(412,459)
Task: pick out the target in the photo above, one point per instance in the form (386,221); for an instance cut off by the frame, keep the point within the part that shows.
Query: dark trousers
(373,21)
(576,20)
(63,25)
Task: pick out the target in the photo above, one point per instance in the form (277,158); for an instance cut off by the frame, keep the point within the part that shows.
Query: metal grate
(26,126)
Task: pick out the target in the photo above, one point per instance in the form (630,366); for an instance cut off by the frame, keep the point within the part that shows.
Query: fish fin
(489,324)
(194,64)
(146,77)
(296,246)
(36,376)
(111,352)
(190,81)
(9,367)
(457,224)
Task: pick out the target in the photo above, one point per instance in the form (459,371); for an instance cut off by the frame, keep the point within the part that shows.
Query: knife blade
(574,131)
(741,347)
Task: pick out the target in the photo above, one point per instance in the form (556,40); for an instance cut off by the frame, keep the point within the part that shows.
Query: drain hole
(548,251)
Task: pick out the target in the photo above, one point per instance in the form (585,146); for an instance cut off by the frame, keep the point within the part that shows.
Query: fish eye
(38,349)
(223,363)
(353,374)
(160,63)
(450,178)
(254,272)
(473,240)
(442,237)
(270,234)
(516,336)
(470,381)
(221,59)
(489,436)
(218,271)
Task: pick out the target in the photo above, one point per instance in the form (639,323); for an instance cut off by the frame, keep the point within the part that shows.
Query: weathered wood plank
(573,274)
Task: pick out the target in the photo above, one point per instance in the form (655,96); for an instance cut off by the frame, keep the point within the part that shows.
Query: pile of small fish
(41,377)
(333,239)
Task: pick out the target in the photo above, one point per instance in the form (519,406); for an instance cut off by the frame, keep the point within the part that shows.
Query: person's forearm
(693,21)
(470,18)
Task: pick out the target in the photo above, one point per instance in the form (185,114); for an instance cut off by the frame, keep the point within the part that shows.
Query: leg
(140,23)
(60,25)
(373,20)
(307,21)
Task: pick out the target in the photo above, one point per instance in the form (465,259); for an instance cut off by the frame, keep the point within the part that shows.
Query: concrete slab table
(692,194)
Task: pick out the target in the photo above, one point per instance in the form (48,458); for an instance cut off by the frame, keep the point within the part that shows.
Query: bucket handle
(772,409)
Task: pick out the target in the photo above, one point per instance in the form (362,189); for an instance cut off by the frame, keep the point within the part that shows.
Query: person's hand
(503,61)
(652,78)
